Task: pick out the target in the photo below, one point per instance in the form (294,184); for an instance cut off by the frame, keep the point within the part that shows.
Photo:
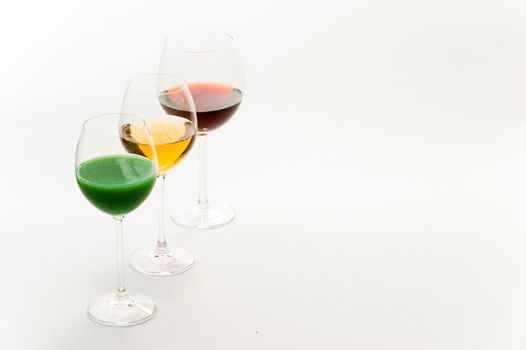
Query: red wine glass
(209,61)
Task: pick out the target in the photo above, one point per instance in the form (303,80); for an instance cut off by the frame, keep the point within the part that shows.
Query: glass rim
(86,123)
(170,37)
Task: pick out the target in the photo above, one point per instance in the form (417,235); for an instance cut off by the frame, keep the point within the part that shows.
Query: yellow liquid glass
(173,138)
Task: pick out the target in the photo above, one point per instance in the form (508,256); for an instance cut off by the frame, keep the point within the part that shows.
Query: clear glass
(116,183)
(209,61)
(165,103)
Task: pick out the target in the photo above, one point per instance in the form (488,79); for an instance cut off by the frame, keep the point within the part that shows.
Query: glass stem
(121,288)
(202,202)
(162,246)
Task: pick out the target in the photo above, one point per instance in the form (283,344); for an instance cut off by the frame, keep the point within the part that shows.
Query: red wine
(215,104)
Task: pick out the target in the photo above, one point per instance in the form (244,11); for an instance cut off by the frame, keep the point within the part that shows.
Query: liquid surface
(173,138)
(116,184)
(215,103)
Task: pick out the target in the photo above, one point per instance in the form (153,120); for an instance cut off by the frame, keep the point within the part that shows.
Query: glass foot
(150,262)
(189,215)
(122,310)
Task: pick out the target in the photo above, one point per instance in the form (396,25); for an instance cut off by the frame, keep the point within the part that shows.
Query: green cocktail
(116,184)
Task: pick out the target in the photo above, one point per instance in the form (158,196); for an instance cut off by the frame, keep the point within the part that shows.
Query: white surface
(377,165)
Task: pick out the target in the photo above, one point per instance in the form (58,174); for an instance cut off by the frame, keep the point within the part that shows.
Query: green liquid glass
(116,184)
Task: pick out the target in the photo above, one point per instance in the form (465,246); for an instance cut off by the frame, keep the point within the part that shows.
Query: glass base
(191,216)
(150,262)
(122,310)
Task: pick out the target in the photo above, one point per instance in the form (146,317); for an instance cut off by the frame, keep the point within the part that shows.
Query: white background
(377,165)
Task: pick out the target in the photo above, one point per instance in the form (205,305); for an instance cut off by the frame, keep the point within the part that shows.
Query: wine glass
(209,61)
(151,96)
(116,183)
